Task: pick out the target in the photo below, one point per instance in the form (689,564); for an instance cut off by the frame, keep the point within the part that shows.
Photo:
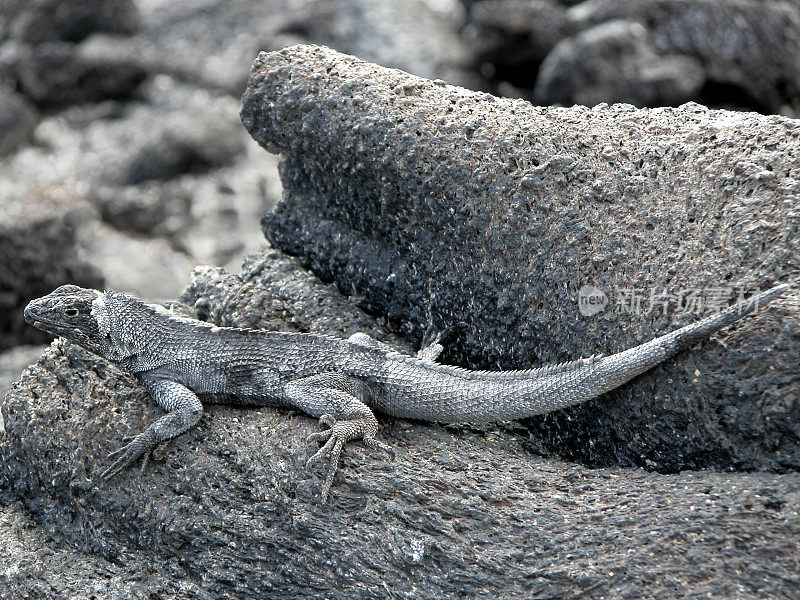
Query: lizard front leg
(183,412)
(337,400)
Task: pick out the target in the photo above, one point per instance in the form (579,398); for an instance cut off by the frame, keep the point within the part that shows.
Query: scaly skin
(340,381)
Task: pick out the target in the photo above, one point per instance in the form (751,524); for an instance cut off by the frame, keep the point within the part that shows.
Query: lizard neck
(135,328)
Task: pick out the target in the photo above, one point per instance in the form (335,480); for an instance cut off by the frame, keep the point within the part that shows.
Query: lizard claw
(336,437)
(125,456)
(333,447)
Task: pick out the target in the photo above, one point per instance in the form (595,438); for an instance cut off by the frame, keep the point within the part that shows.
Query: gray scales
(180,360)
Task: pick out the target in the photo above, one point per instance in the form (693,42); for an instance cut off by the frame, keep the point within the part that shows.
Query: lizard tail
(639,359)
(451,395)
(600,375)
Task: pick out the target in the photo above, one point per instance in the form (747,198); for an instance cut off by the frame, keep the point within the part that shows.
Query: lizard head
(75,313)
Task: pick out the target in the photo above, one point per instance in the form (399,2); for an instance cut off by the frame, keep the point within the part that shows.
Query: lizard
(341,381)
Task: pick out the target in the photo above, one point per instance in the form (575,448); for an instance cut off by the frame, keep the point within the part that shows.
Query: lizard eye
(71,312)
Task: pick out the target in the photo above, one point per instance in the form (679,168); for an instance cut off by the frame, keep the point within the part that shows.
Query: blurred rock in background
(740,54)
(39,250)
(133,106)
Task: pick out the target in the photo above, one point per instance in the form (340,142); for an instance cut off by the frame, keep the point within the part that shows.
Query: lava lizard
(338,380)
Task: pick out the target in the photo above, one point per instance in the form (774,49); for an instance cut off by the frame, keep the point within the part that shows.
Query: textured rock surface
(38,247)
(449,208)
(34,568)
(12,363)
(274,290)
(228,510)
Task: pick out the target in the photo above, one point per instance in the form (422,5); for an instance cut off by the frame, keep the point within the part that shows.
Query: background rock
(57,74)
(615,62)
(174,174)
(456,210)
(748,50)
(39,249)
(154,208)
(17,120)
(417,36)
(45,53)
(509,39)
(157,266)
(138,117)
(209,45)
(37,21)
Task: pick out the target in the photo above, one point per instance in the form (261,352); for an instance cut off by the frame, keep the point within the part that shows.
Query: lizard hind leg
(336,398)
(429,351)
(431,346)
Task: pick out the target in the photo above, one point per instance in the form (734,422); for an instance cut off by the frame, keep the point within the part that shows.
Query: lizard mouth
(40,322)
(31,317)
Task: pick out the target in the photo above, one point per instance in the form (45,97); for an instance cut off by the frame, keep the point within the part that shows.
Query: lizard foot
(138,445)
(338,434)
(431,346)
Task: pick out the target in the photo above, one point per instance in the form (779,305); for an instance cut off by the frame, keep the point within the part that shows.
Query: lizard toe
(145,460)
(128,454)
(371,442)
(319,436)
(335,452)
(321,453)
